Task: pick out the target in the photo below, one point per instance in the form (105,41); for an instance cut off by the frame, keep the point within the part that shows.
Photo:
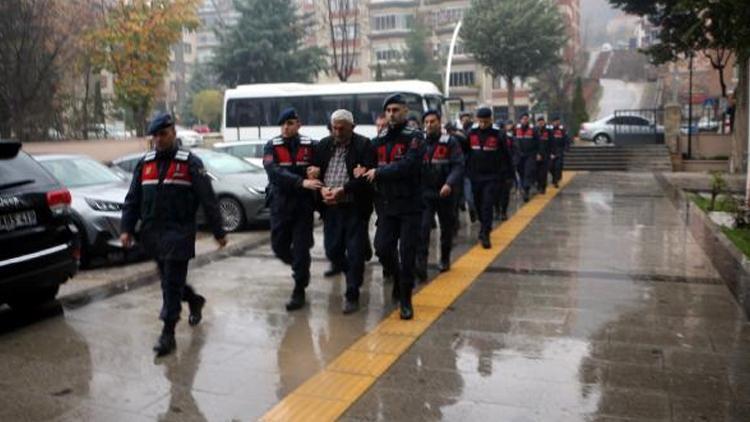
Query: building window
(387,55)
(392,22)
(462,78)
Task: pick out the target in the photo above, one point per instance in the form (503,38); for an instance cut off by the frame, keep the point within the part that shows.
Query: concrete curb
(729,261)
(150,276)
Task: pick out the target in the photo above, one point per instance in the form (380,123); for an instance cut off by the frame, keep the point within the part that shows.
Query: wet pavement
(604,308)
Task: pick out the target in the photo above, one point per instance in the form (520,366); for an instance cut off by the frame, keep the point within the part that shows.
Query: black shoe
(472,216)
(556,185)
(196,310)
(350,306)
(445,264)
(526,196)
(406,310)
(332,271)
(485,239)
(297,301)
(166,344)
(543,191)
(504,216)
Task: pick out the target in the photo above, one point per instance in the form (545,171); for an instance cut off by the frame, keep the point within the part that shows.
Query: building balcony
(385,4)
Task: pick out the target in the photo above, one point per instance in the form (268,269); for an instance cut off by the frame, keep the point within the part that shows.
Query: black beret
(484,112)
(161,121)
(555,118)
(525,115)
(540,118)
(394,99)
(287,114)
(464,114)
(431,111)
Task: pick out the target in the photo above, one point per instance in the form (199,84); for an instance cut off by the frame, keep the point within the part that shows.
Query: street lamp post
(690,108)
(451,49)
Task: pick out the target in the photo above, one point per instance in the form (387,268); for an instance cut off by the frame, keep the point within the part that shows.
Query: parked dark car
(98,194)
(38,242)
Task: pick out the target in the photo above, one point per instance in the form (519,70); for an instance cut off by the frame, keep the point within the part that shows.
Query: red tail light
(59,201)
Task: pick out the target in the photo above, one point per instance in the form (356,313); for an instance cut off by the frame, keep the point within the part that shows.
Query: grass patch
(722,203)
(740,238)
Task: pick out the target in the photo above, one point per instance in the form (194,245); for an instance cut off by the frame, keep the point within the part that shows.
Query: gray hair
(342,115)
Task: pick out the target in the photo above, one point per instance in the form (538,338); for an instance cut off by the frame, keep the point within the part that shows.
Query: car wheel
(232,214)
(29,299)
(602,139)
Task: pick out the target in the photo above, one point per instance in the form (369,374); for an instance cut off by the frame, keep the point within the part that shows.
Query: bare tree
(35,40)
(719,58)
(342,18)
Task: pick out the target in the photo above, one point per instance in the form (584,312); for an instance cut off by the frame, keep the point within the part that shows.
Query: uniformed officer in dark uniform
(543,134)
(399,150)
(292,199)
(559,145)
(526,154)
(347,200)
(168,186)
(489,164)
(506,186)
(442,177)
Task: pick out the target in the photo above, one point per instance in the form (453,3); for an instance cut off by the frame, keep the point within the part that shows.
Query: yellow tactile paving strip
(329,393)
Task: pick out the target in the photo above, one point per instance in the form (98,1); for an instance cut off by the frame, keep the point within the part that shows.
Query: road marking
(330,392)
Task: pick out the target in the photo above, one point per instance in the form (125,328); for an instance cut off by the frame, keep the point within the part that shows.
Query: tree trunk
(740,134)
(85,108)
(139,116)
(511,98)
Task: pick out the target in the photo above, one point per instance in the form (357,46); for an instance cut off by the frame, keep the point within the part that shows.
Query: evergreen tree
(514,39)
(266,45)
(418,60)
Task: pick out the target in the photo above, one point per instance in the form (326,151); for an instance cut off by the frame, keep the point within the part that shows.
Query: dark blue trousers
(291,240)
(445,208)
(345,233)
(527,171)
(174,288)
(556,168)
(485,197)
(396,241)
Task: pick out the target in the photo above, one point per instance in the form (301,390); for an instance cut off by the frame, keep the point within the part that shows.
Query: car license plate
(9,222)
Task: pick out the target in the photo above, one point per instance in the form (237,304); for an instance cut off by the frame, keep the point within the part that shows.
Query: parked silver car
(97,197)
(239,185)
(605,130)
(250,151)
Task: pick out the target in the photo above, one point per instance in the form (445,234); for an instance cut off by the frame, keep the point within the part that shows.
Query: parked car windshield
(77,172)
(226,164)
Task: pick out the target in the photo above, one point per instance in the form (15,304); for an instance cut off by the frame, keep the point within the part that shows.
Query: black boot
(526,195)
(406,310)
(484,238)
(196,310)
(445,260)
(297,301)
(166,343)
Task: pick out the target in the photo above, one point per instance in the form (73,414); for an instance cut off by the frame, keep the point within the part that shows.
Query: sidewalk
(605,308)
(108,280)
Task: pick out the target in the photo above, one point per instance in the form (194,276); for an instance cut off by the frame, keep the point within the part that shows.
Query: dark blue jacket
(286,162)
(399,151)
(525,141)
(560,141)
(164,195)
(488,156)
(443,164)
